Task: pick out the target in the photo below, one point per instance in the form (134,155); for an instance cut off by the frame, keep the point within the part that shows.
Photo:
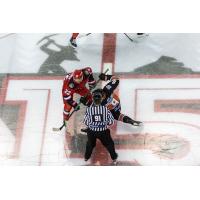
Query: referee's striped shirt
(97,118)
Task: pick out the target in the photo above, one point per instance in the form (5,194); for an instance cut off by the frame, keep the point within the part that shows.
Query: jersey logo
(86,72)
(108,87)
(71,85)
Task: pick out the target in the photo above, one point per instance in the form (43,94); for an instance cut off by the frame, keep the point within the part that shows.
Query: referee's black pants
(106,140)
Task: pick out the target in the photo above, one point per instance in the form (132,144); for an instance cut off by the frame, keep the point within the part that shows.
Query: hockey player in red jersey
(111,100)
(75,82)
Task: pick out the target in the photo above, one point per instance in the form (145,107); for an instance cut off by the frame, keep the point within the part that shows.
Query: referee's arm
(111,119)
(86,117)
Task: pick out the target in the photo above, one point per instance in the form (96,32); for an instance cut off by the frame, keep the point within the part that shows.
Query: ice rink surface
(159,85)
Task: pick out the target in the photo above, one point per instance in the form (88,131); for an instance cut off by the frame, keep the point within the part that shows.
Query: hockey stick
(84,35)
(60,128)
(6,35)
(129,37)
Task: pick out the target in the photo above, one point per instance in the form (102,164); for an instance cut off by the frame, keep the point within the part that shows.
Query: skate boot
(136,123)
(139,34)
(115,160)
(84,130)
(142,35)
(73,42)
(128,120)
(133,122)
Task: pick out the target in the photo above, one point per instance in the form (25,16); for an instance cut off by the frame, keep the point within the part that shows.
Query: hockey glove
(102,77)
(84,101)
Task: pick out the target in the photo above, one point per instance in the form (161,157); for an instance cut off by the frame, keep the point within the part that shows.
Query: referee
(97,119)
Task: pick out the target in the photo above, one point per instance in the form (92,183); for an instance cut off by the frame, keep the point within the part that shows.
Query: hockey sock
(75,35)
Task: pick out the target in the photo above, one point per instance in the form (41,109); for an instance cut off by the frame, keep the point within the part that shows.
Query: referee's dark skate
(97,119)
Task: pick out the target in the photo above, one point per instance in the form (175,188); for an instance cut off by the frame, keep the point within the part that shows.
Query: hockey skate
(128,120)
(84,130)
(142,35)
(115,161)
(133,122)
(136,123)
(73,42)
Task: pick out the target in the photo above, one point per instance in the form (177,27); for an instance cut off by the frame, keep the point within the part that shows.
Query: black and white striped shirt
(97,118)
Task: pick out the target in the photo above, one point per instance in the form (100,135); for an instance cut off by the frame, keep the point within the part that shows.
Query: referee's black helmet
(97,96)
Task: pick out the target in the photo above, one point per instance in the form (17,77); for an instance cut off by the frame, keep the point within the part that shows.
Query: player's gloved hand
(77,107)
(84,101)
(102,77)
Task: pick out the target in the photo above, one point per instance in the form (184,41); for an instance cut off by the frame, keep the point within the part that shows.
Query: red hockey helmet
(78,76)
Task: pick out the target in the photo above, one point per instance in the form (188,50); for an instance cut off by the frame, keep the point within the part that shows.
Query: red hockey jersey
(70,86)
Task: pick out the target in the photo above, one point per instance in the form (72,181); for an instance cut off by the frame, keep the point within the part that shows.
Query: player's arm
(86,118)
(105,77)
(111,85)
(88,73)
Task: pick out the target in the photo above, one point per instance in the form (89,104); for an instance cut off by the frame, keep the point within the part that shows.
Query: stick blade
(56,129)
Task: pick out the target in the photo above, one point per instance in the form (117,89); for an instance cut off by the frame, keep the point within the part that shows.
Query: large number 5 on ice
(166,106)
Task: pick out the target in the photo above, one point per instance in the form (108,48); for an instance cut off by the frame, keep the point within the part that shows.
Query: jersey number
(97,118)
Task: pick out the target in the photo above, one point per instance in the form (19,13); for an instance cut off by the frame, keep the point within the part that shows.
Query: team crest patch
(71,85)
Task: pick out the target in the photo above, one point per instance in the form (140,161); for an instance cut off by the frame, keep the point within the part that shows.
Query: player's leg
(75,35)
(107,141)
(91,143)
(73,39)
(128,120)
(123,118)
(116,114)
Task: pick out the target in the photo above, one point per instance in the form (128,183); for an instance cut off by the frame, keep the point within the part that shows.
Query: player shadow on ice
(52,65)
(164,65)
